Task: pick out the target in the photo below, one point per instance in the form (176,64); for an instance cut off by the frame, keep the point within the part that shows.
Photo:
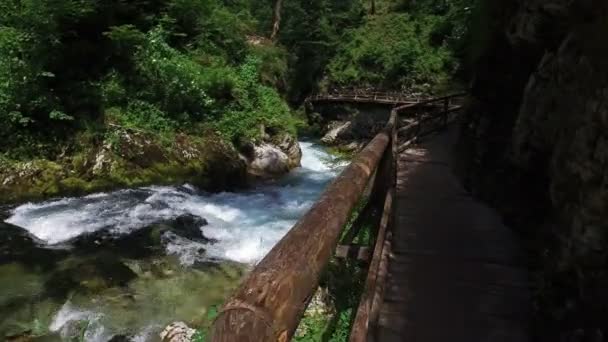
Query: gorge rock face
(538,149)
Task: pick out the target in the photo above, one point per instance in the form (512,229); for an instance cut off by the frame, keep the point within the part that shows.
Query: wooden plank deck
(455,272)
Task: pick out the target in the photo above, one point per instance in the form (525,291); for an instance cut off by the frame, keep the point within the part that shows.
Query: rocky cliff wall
(536,146)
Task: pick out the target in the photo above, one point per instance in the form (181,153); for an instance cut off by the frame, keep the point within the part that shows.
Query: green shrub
(255,104)
(170,79)
(392,51)
(142,115)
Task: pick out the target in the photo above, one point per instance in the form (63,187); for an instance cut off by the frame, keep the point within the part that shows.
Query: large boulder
(268,161)
(272,157)
(290,146)
(144,241)
(337,131)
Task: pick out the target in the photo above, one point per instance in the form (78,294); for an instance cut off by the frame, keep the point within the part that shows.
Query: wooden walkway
(455,272)
(443,267)
(371,97)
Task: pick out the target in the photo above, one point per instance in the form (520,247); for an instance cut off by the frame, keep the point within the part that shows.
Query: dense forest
(77,73)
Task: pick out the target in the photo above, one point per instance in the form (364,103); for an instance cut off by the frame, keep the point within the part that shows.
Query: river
(100,294)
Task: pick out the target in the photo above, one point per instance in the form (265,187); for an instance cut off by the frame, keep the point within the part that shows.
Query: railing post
(446,108)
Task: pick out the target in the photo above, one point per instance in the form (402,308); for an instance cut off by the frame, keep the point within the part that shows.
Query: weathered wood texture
(443,267)
(455,272)
(269,303)
(381,98)
(383,192)
(368,311)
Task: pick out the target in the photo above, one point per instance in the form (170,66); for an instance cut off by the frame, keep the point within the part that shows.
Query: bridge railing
(270,301)
(367,96)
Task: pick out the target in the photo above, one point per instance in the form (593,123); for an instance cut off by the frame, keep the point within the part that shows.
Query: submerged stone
(188,226)
(91,274)
(143,242)
(17,244)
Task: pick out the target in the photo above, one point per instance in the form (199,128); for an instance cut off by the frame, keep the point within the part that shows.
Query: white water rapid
(174,284)
(246,224)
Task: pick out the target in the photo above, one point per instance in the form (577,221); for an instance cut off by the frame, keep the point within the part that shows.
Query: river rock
(121,338)
(17,244)
(268,161)
(337,130)
(290,146)
(188,226)
(126,158)
(177,332)
(145,241)
(89,274)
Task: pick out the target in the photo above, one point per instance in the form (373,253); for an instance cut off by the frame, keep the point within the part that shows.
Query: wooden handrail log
(269,303)
(364,315)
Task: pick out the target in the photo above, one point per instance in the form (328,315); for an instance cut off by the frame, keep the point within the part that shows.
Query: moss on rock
(126,158)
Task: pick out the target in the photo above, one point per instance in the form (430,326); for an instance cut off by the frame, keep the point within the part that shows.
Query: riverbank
(162,284)
(128,158)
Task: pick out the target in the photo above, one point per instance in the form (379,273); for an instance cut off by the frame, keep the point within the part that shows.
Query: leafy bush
(255,105)
(170,79)
(144,115)
(392,51)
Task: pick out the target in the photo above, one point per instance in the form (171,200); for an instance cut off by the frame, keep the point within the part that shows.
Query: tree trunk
(372,8)
(276,20)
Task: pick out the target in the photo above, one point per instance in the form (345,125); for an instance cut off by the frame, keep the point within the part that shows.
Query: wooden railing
(271,300)
(366,97)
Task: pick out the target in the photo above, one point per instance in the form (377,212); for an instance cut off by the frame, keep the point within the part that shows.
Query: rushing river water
(95,295)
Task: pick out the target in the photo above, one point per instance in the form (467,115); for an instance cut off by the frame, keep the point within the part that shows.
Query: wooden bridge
(362,96)
(442,266)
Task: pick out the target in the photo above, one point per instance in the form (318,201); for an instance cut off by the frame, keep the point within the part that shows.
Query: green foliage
(314,328)
(313,31)
(170,79)
(273,67)
(158,66)
(199,336)
(142,115)
(344,280)
(255,104)
(392,51)
(125,38)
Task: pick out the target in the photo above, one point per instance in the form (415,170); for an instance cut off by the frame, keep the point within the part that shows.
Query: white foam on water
(246,224)
(147,334)
(70,321)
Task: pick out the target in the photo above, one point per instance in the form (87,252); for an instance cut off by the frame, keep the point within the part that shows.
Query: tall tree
(276,20)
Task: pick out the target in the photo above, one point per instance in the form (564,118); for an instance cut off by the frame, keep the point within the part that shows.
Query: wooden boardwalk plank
(455,273)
